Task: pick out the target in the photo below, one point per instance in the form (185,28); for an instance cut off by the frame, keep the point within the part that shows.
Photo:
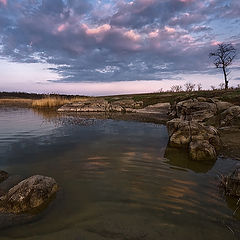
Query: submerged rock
(3,176)
(29,194)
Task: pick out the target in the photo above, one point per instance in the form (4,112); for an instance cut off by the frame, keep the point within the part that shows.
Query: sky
(102,47)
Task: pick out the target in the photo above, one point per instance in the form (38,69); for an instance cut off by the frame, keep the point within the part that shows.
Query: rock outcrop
(30,194)
(102,105)
(199,109)
(3,176)
(201,141)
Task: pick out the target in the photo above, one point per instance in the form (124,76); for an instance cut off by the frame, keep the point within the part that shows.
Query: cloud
(116,40)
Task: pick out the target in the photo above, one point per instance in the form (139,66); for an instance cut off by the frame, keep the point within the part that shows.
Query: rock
(230,117)
(222,106)
(202,141)
(202,150)
(193,109)
(231,183)
(159,108)
(89,105)
(10,182)
(102,105)
(3,176)
(31,193)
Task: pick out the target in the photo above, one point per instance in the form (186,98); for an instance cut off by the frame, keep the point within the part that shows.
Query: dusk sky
(100,47)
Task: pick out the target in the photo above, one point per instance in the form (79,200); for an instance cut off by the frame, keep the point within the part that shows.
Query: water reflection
(119,179)
(180,158)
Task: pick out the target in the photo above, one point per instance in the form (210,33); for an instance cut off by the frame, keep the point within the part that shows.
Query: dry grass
(53,102)
(15,102)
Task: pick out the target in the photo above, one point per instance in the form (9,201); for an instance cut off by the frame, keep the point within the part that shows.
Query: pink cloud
(215,43)
(62,27)
(169,29)
(154,34)
(132,35)
(4,2)
(99,30)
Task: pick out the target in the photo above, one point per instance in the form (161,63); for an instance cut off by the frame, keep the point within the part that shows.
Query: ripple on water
(119,180)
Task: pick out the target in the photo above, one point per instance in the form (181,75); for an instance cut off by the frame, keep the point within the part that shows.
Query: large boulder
(202,150)
(202,141)
(3,176)
(199,109)
(31,193)
(192,109)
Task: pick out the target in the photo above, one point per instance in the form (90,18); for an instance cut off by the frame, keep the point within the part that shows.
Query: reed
(53,101)
(49,102)
(15,102)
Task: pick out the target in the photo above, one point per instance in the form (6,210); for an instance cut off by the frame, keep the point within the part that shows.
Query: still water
(118,180)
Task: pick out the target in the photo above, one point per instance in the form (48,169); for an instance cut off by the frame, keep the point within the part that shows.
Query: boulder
(192,109)
(3,176)
(230,117)
(202,150)
(31,193)
(202,141)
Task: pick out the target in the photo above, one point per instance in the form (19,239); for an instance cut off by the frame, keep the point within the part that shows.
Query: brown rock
(202,151)
(29,194)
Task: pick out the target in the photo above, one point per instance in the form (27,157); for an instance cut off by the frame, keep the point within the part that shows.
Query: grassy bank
(52,101)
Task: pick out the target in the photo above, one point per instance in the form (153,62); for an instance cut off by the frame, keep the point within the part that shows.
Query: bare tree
(176,88)
(189,87)
(221,85)
(199,87)
(223,57)
(213,87)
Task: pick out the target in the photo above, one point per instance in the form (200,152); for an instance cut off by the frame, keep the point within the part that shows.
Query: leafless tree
(176,88)
(199,87)
(213,87)
(221,85)
(223,57)
(189,87)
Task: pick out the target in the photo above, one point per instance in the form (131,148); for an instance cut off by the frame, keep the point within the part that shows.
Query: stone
(203,142)
(192,109)
(202,151)
(230,117)
(231,183)
(31,193)
(3,176)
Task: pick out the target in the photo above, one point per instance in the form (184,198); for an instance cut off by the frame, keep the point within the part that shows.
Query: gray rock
(31,193)
(3,176)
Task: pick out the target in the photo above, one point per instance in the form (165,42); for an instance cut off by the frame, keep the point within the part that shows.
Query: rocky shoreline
(199,126)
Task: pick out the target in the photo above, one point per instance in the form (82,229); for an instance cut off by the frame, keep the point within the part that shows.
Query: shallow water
(118,179)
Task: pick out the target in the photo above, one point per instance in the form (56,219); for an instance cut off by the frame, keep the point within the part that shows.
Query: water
(118,180)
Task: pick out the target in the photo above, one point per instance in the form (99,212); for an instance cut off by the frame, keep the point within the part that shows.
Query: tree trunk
(225,78)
